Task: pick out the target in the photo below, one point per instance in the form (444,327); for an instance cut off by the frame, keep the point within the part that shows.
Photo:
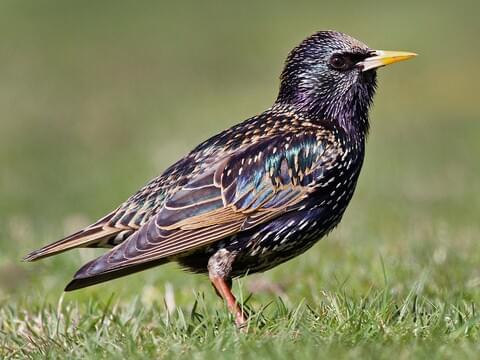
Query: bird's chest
(334,189)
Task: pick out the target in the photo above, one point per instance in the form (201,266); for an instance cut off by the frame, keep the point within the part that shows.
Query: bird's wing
(244,189)
(92,236)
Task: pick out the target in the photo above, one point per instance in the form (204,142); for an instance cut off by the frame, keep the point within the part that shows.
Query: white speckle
(303,225)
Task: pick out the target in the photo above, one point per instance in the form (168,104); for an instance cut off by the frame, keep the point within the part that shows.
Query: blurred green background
(96,98)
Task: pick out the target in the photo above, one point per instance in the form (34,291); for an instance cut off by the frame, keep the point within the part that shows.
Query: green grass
(376,325)
(96,99)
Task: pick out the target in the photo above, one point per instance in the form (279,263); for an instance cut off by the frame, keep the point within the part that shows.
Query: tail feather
(83,279)
(84,238)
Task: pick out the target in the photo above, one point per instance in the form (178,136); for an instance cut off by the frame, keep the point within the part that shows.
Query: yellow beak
(381,58)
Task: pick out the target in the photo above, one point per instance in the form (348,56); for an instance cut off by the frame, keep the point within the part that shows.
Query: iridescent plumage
(256,194)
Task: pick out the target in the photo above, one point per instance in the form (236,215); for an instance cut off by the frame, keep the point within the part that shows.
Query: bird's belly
(281,240)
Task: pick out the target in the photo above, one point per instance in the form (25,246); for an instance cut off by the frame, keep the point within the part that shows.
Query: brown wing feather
(83,238)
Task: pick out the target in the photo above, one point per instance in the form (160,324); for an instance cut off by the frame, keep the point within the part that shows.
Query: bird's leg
(219,268)
(223,289)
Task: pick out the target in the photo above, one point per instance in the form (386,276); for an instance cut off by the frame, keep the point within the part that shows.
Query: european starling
(257,194)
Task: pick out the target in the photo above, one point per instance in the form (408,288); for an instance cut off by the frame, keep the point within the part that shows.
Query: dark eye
(340,62)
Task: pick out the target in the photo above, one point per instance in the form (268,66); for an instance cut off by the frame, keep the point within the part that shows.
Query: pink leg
(223,290)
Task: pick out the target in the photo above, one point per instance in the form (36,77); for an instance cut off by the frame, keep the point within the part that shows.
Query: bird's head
(332,76)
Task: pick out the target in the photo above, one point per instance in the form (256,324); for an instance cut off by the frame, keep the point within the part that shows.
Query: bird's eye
(339,62)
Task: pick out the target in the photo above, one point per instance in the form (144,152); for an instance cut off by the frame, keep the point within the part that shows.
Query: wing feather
(241,191)
(91,235)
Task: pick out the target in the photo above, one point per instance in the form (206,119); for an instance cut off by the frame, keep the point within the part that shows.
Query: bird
(257,194)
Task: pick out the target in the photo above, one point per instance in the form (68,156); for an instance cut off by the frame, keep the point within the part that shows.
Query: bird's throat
(349,112)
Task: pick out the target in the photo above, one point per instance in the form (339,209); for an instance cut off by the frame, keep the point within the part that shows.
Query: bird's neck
(351,117)
(348,110)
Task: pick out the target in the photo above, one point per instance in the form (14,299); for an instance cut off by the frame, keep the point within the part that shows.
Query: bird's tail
(88,237)
(82,279)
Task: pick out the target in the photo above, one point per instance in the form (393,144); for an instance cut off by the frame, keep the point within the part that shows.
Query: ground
(95,100)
